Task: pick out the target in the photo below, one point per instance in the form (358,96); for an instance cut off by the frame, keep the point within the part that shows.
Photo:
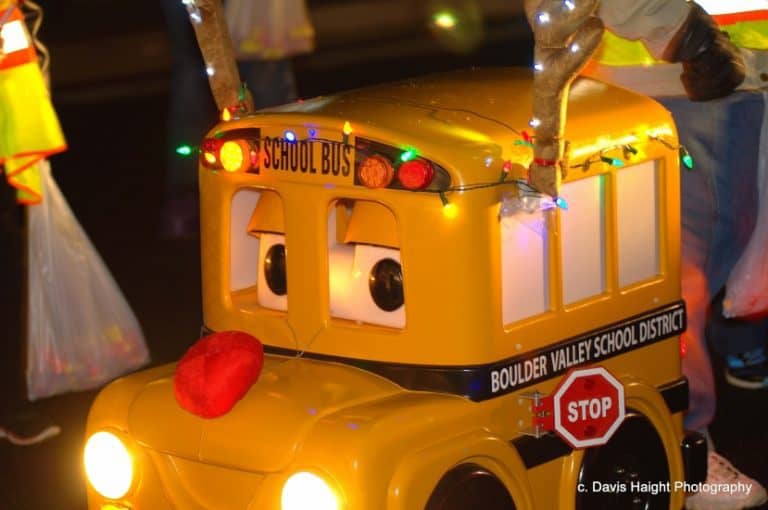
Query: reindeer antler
(210,26)
(566,32)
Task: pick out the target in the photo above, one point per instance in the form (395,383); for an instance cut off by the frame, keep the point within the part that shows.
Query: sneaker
(744,492)
(748,370)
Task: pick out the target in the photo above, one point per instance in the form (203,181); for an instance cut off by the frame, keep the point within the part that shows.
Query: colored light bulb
(184,150)
(407,155)
(444,19)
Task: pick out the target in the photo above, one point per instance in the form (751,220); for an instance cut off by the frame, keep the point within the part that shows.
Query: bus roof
(460,118)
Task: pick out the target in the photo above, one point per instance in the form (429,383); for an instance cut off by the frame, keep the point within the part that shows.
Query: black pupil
(386,285)
(274,269)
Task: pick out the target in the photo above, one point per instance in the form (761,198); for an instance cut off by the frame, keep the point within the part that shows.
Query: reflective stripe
(747,29)
(739,17)
(717,7)
(750,34)
(617,51)
(17,46)
(14,37)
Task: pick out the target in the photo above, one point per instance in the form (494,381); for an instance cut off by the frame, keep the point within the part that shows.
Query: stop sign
(588,407)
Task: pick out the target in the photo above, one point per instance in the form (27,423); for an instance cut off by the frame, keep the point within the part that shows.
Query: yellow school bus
(417,303)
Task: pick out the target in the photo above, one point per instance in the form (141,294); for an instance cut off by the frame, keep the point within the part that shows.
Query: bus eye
(274,269)
(386,285)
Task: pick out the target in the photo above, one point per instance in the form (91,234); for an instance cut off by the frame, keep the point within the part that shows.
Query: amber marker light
(235,156)
(376,172)
(108,465)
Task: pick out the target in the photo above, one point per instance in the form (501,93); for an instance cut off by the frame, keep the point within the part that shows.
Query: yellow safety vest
(29,128)
(746,25)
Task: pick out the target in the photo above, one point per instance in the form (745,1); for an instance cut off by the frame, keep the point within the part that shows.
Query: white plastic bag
(747,287)
(81,333)
(269,29)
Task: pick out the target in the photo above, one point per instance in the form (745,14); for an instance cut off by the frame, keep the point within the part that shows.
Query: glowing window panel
(583,239)
(524,265)
(638,223)
(244,248)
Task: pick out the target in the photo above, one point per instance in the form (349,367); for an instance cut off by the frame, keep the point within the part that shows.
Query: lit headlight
(108,465)
(307,491)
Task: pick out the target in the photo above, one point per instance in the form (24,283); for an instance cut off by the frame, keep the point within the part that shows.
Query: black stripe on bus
(483,382)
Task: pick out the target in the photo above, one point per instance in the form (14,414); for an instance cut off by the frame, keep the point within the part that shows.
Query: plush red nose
(216,372)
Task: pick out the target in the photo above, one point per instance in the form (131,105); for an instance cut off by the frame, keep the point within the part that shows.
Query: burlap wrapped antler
(210,26)
(566,32)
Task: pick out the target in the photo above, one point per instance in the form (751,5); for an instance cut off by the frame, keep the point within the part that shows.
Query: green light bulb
(444,19)
(184,150)
(686,157)
(407,155)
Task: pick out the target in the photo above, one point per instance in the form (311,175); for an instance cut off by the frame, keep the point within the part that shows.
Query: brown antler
(566,32)
(210,26)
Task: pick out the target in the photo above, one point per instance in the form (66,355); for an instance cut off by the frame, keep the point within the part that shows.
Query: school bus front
(415,297)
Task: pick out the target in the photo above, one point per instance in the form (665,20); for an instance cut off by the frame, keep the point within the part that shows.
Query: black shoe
(748,370)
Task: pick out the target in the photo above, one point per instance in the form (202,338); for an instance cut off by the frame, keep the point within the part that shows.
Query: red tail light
(209,155)
(416,174)
(378,165)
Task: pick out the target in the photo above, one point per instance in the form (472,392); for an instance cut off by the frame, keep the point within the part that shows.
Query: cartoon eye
(386,285)
(274,269)
(367,285)
(271,287)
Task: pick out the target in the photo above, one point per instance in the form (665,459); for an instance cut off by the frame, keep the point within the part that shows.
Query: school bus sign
(588,407)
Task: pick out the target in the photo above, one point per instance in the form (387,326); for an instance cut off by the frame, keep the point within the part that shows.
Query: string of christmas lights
(629,151)
(527,195)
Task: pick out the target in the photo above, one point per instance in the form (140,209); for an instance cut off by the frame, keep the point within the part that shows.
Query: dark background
(110,78)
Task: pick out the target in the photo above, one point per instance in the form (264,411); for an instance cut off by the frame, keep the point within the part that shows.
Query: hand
(712,65)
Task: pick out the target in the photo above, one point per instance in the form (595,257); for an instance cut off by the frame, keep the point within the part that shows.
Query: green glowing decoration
(408,155)
(184,150)
(444,19)
(686,157)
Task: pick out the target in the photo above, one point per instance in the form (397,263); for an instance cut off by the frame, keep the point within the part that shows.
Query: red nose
(216,372)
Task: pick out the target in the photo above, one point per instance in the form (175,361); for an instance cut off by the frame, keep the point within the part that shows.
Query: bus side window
(524,265)
(638,223)
(365,273)
(258,259)
(582,229)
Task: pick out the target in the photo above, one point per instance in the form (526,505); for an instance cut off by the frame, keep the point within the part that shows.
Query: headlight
(307,491)
(108,465)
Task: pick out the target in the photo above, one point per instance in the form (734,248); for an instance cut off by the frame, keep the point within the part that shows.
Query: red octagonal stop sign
(588,407)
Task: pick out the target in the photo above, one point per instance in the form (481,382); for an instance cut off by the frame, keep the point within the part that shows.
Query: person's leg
(741,342)
(697,367)
(271,82)
(191,114)
(699,133)
(707,216)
